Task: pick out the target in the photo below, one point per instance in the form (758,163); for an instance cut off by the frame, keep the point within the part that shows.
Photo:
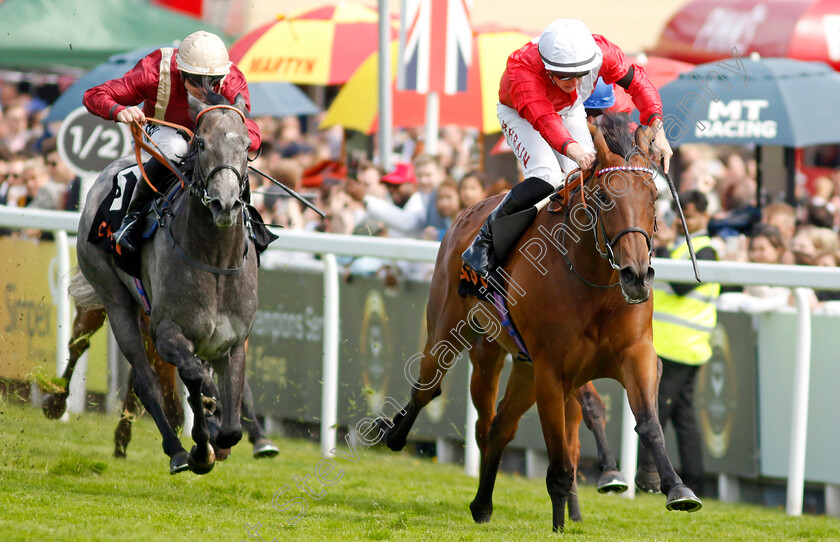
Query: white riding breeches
(168,140)
(535,155)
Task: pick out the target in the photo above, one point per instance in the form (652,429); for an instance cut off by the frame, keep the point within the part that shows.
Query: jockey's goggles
(198,80)
(567,76)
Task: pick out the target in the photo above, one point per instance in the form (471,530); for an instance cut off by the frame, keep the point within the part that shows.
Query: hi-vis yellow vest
(683,325)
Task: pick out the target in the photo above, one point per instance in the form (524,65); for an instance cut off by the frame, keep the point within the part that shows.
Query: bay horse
(200,279)
(87,322)
(578,287)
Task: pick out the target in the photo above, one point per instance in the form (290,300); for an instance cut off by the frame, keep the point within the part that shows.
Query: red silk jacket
(141,84)
(526,87)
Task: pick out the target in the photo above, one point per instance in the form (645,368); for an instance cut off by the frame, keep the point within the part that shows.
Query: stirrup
(122,236)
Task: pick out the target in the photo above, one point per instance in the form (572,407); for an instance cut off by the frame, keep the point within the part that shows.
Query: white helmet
(567,46)
(203,53)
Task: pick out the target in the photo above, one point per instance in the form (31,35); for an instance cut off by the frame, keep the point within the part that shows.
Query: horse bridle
(608,242)
(200,182)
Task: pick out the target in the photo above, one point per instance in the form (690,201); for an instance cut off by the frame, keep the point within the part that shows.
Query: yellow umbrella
(356,106)
(321,46)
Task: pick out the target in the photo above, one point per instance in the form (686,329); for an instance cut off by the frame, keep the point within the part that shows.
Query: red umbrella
(707,30)
(320,46)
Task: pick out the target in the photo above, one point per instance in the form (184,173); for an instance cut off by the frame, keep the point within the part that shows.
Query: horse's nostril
(627,275)
(215,206)
(650,275)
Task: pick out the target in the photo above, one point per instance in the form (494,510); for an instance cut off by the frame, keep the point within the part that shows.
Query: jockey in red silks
(161,81)
(543,118)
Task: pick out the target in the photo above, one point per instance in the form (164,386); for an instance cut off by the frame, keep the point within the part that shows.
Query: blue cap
(602,97)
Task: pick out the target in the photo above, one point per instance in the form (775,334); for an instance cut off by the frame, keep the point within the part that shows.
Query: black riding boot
(529,192)
(143,193)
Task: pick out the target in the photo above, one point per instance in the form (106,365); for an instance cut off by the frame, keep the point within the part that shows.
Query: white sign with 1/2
(88,143)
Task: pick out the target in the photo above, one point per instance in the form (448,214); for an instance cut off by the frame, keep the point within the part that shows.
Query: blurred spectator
(42,191)
(5,158)
(448,206)
(405,214)
(811,241)
(471,188)
(821,210)
(16,134)
(60,173)
(783,216)
(430,175)
(765,246)
(15,192)
(500,186)
(281,208)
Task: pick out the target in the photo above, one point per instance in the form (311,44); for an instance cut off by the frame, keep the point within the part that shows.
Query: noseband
(200,182)
(608,242)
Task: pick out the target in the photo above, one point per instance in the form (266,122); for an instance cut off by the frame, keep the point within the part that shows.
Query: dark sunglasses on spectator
(568,76)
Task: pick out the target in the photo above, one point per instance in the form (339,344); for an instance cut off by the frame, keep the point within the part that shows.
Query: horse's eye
(602,196)
(200,144)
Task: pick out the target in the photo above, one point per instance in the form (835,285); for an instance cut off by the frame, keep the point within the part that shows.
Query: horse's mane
(616,130)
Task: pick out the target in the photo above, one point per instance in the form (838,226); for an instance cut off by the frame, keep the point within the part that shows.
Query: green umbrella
(64,35)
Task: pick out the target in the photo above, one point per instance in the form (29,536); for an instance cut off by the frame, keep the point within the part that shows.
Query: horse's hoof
(201,467)
(228,439)
(387,428)
(221,453)
(481,513)
(682,499)
(612,481)
(264,448)
(119,452)
(648,482)
(178,462)
(54,406)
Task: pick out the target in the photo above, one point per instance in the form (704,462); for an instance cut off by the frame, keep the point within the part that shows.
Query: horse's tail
(83,294)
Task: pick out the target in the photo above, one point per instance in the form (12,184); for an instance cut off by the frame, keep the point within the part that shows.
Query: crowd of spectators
(423,193)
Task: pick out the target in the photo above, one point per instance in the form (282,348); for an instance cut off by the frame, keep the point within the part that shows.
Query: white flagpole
(385,105)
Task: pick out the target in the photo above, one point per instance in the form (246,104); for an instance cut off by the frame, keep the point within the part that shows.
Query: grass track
(59,482)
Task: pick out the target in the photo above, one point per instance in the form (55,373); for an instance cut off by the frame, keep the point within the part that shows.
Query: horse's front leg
(86,323)
(175,348)
(640,379)
(550,392)
(231,373)
(595,417)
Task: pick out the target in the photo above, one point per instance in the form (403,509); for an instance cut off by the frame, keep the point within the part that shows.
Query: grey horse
(200,275)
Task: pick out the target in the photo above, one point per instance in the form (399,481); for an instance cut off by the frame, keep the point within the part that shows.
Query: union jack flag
(435,45)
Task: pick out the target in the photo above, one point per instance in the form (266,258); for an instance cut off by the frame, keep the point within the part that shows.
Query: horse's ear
(239,103)
(601,147)
(644,140)
(196,105)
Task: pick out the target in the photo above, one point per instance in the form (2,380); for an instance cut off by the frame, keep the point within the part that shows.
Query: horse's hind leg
(125,323)
(262,445)
(131,408)
(639,376)
(519,397)
(86,323)
(595,417)
(442,351)
(573,418)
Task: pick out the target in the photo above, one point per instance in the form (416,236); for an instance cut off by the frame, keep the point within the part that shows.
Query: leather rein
(563,197)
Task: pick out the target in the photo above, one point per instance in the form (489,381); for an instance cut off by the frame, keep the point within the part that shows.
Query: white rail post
(629,448)
(63,317)
(799,410)
(472,458)
(329,386)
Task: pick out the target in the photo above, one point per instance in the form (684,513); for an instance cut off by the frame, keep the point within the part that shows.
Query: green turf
(58,481)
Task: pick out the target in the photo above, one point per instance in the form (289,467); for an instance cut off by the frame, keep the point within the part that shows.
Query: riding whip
(685,227)
(291,192)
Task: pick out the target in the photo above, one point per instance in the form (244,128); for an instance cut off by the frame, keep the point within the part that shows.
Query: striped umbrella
(321,46)
(356,106)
